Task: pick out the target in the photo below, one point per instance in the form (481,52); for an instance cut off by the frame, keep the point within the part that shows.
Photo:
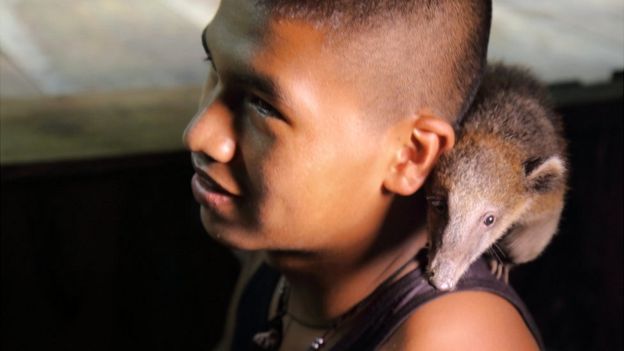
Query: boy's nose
(212,133)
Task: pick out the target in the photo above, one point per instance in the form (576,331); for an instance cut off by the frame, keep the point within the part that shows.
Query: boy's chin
(232,238)
(238,237)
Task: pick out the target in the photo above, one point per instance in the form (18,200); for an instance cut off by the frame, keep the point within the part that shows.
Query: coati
(501,188)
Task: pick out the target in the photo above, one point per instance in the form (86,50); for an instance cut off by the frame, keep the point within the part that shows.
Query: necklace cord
(272,339)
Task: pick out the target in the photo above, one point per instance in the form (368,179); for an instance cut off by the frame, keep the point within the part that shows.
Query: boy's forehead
(244,39)
(244,26)
(237,27)
(241,33)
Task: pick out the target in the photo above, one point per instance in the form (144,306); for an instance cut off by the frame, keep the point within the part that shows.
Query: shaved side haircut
(424,53)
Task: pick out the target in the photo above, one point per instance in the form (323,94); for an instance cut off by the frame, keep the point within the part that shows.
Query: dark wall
(575,288)
(109,254)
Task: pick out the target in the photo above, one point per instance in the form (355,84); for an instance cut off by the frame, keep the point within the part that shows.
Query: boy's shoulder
(466,320)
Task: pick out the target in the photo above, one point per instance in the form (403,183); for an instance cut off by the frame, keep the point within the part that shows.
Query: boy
(319,123)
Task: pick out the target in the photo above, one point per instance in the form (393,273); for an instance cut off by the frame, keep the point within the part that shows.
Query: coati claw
(499,269)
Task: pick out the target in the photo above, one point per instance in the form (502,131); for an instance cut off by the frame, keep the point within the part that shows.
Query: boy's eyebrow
(252,79)
(264,84)
(205,44)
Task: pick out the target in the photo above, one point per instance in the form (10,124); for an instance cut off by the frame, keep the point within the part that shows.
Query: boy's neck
(327,287)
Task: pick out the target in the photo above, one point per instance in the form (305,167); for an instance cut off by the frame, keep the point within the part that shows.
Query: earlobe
(428,137)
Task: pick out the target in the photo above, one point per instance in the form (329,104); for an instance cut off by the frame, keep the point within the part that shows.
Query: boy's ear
(423,140)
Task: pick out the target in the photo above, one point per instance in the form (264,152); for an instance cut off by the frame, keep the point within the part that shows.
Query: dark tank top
(391,307)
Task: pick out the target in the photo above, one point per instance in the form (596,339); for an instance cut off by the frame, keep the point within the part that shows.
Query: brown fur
(509,162)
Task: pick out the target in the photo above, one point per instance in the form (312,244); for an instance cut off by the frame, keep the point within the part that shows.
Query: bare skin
(313,189)
(470,320)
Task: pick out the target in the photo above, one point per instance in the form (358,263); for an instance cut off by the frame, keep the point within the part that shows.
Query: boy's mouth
(210,195)
(210,184)
(201,166)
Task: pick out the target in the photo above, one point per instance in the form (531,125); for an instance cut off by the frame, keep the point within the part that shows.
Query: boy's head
(316,113)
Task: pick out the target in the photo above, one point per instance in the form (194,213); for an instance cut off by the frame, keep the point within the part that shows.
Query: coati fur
(501,189)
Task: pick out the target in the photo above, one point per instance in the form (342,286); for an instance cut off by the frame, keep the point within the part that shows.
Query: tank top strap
(394,305)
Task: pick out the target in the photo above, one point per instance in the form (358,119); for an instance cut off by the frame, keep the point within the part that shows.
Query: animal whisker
(502,253)
(494,254)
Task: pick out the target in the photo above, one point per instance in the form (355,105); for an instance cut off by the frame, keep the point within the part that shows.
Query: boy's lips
(210,184)
(202,166)
(211,195)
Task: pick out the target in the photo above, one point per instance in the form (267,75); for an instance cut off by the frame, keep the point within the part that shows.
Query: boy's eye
(263,108)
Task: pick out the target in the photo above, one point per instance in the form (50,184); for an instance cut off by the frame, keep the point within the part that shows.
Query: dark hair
(453,34)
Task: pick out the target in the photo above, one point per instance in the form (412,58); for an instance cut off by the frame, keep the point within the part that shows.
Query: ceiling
(65,47)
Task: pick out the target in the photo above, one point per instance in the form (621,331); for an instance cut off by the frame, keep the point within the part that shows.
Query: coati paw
(499,269)
(506,269)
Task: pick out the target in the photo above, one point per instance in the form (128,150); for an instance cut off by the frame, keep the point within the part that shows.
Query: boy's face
(279,127)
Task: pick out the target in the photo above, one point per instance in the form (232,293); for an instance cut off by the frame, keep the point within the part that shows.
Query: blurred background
(101,246)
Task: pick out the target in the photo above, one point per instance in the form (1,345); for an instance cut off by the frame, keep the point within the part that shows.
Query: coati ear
(543,175)
(421,142)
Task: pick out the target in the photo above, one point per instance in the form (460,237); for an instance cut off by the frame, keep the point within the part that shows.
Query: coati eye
(438,204)
(489,220)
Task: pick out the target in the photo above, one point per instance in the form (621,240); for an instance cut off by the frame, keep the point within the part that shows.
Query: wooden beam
(96,125)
